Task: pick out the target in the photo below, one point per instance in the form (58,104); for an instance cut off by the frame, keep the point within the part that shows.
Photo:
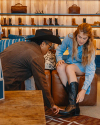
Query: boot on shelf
(33,31)
(20,21)
(72,109)
(56,21)
(32,21)
(50,29)
(74,22)
(45,22)
(3,35)
(10,21)
(57,33)
(8,32)
(4,21)
(50,21)
(20,32)
(95,34)
(84,20)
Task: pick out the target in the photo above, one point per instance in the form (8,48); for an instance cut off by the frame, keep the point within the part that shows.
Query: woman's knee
(69,69)
(61,68)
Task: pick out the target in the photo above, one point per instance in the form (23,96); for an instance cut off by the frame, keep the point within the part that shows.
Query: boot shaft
(73,91)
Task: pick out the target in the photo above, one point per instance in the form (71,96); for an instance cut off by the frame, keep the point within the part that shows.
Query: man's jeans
(30,84)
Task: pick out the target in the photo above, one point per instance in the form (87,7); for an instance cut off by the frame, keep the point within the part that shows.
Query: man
(22,60)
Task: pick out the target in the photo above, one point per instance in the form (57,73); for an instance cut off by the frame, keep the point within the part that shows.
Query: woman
(80,61)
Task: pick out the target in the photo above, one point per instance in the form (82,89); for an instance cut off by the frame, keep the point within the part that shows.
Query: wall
(51,6)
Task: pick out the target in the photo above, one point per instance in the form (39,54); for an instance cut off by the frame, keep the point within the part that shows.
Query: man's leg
(30,84)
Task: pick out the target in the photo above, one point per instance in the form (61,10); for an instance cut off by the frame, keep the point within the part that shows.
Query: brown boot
(45,22)
(20,32)
(4,21)
(74,22)
(20,21)
(33,31)
(32,21)
(3,35)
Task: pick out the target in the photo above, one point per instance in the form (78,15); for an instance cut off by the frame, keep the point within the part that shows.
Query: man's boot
(50,21)
(32,21)
(73,108)
(56,21)
(45,22)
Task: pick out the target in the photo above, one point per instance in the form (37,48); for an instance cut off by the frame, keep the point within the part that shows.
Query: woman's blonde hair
(88,48)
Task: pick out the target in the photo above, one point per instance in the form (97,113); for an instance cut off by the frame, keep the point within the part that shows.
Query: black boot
(72,108)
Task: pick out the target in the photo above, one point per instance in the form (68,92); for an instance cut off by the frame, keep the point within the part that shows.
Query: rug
(52,119)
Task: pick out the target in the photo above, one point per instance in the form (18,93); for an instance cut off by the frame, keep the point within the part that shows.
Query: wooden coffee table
(22,108)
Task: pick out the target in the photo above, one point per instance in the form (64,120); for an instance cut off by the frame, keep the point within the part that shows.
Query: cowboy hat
(44,34)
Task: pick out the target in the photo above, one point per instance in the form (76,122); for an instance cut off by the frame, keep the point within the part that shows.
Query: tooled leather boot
(73,108)
(32,21)
(45,22)
(50,21)
(56,21)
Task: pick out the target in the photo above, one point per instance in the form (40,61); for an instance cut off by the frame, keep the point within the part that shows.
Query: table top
(22,108)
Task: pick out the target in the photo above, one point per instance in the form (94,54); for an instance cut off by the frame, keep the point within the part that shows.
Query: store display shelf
(59,26)
(46,14)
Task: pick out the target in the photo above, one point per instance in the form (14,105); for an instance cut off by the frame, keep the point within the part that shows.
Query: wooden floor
(22,108)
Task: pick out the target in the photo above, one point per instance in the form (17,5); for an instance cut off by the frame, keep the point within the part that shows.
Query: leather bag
(18,8)
(74,9)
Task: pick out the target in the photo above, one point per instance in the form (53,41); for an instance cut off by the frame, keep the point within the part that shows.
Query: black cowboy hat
(44,34)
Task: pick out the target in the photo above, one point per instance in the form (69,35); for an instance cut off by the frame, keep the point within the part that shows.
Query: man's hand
(80,96)
(55,109)
(60,62)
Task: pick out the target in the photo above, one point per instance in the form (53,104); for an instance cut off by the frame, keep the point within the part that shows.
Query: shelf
(59,26)
(46,14)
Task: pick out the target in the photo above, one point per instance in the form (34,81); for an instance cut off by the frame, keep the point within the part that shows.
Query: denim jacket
(89,70)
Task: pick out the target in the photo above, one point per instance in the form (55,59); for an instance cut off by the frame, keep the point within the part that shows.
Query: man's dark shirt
(22,60)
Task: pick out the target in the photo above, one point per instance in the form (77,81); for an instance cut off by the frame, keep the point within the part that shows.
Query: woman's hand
(60,62)
(55,109)
(80,96)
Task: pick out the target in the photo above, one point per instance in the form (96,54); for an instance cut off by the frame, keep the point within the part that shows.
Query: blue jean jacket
(89,70)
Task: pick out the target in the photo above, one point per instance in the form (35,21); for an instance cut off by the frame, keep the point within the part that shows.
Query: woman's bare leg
(62,73)
(71,71)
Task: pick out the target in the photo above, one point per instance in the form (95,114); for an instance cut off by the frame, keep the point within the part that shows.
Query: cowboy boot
(84,20)
(50,21)
(10,21)
(20,32)
(33,31)
(57,33)
(20,21)
(72,108)
(32,21)
(3,35)
(56,21)
(45,22)
(74,22)
(95,34)
(5,21)
(8,32)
